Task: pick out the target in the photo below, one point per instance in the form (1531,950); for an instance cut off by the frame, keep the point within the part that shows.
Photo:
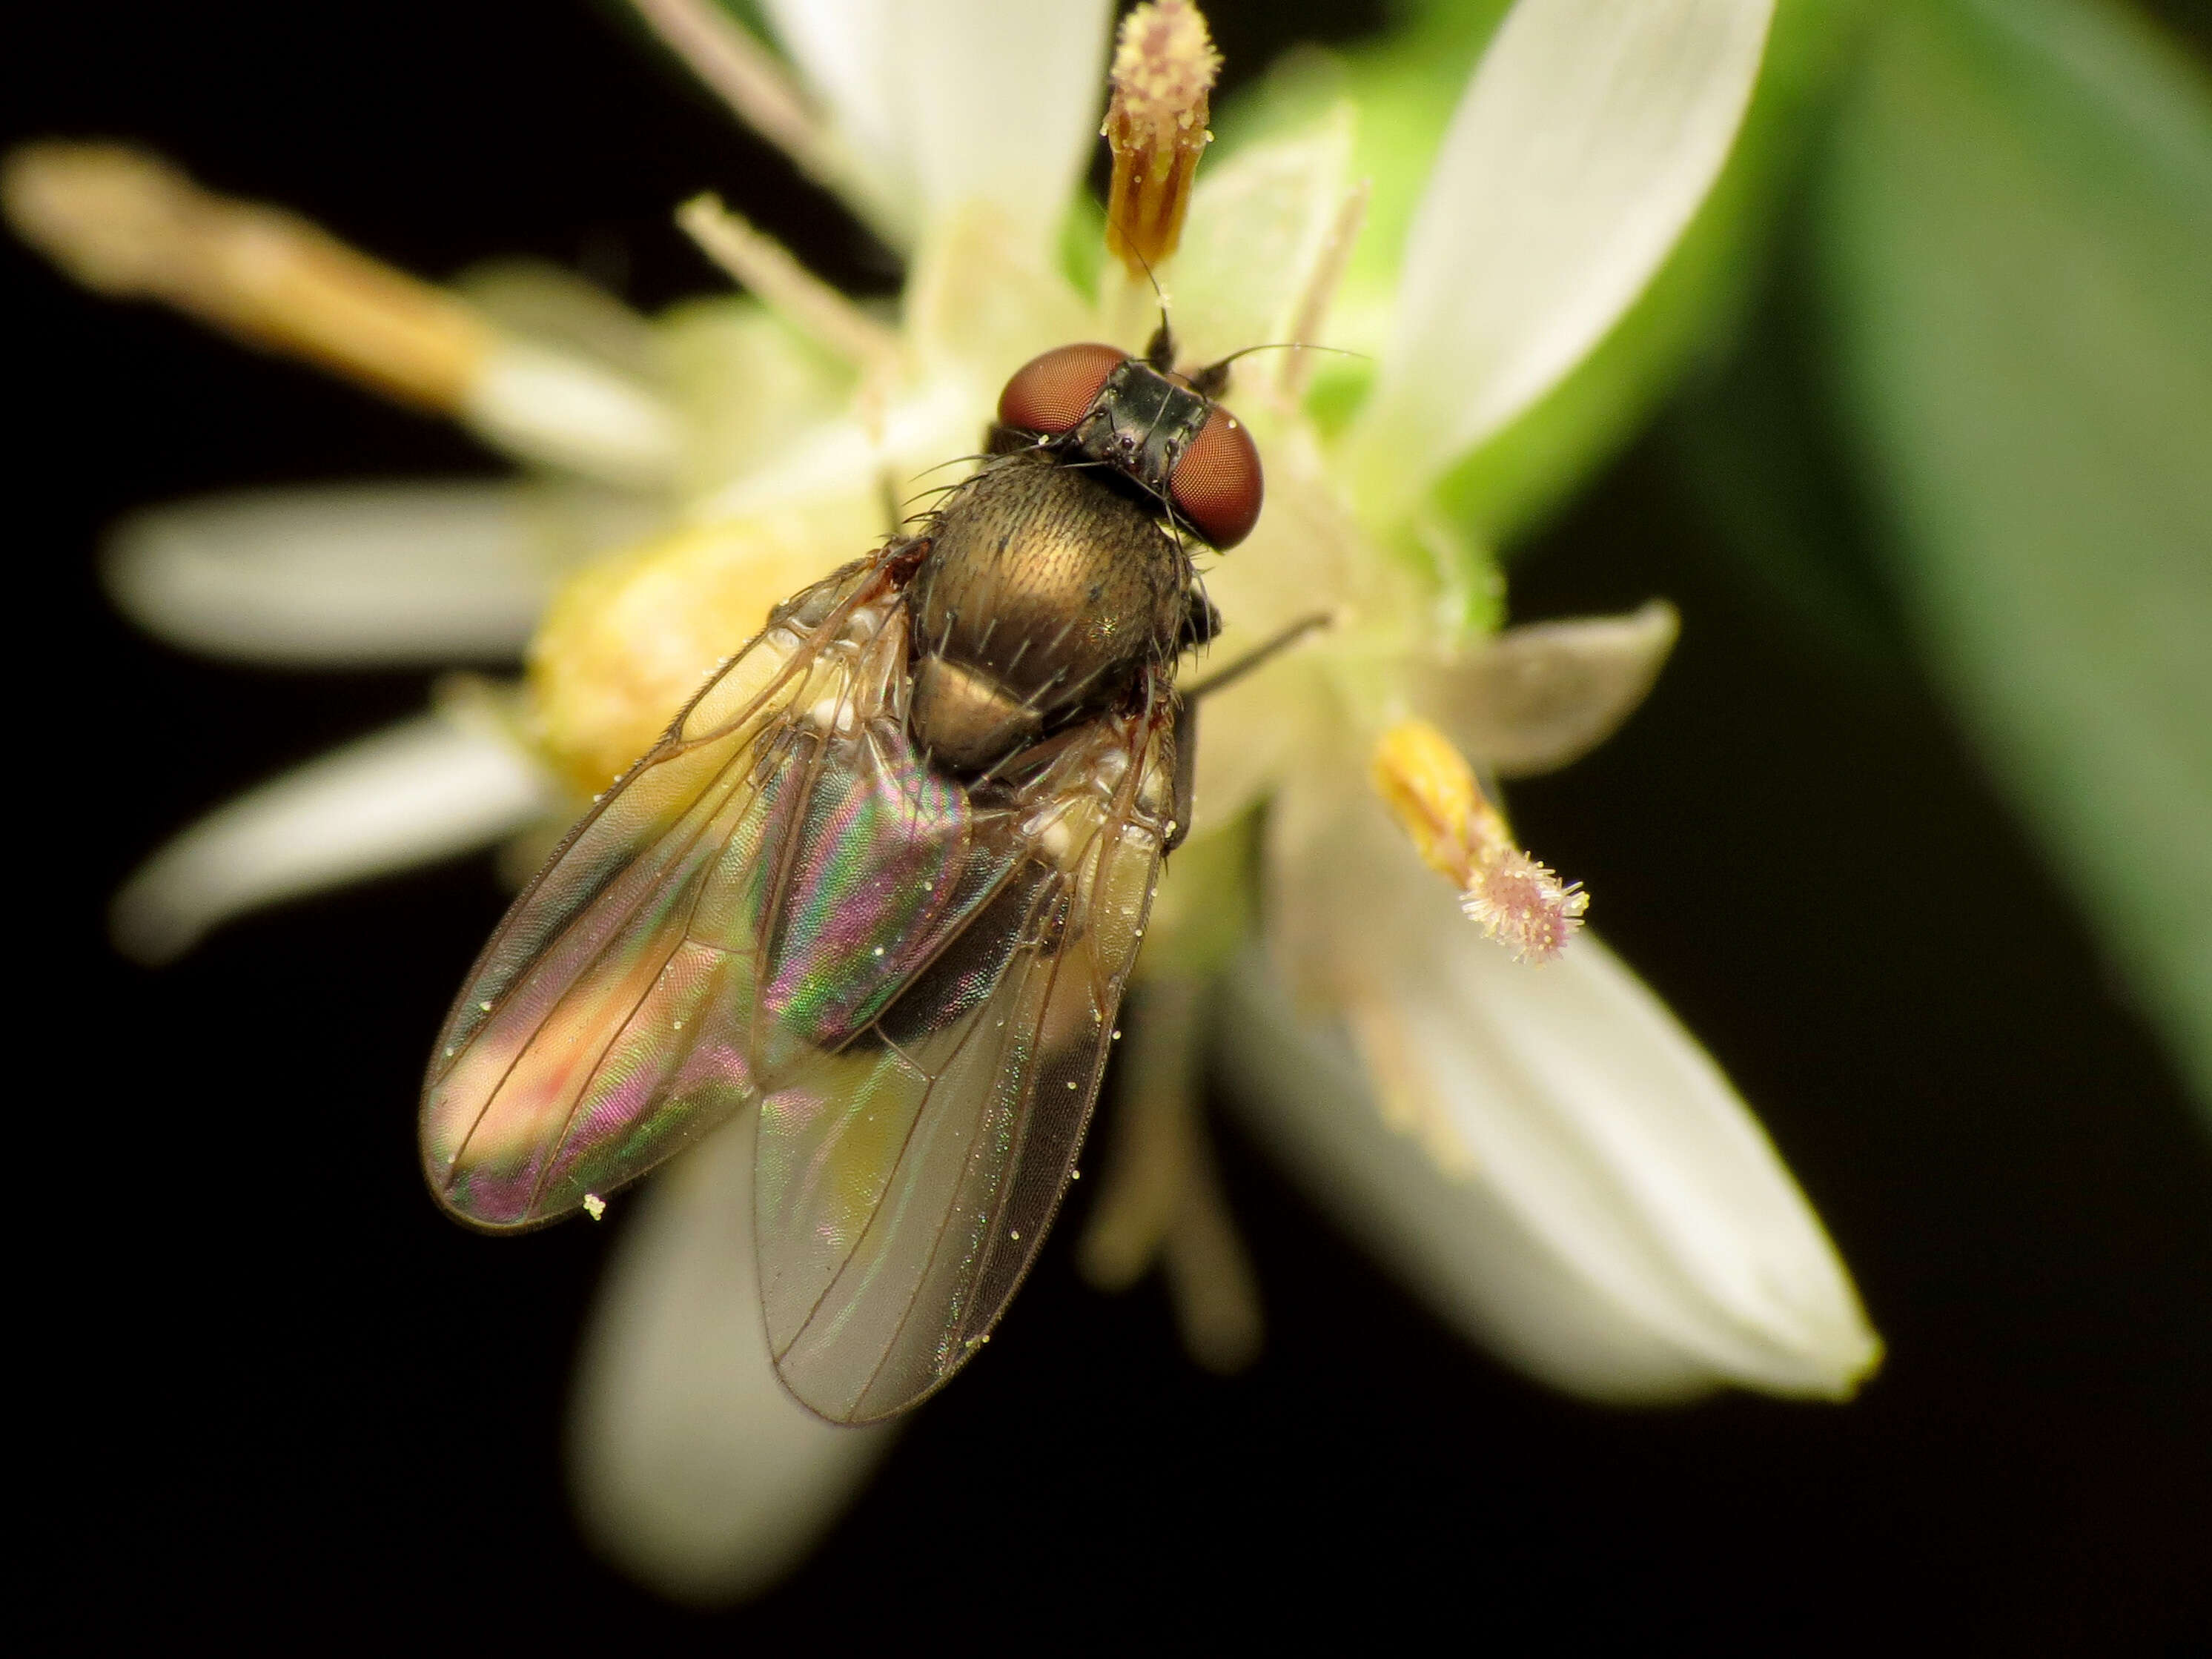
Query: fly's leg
(1201,623)
(1185,789)
(1258,655)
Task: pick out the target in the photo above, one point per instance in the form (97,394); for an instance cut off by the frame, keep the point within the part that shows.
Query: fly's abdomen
(888,860)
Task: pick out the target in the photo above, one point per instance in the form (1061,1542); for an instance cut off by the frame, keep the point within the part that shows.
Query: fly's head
(1168,433)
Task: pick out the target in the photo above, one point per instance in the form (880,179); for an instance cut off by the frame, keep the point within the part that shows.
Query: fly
(882,882)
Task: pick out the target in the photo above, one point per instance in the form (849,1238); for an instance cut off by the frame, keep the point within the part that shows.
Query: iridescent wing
(784,904)
(904,1180)
(616,1015)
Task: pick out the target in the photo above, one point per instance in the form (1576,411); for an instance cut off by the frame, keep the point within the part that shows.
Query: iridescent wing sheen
(785,905)
(616,1014)
(904,1180)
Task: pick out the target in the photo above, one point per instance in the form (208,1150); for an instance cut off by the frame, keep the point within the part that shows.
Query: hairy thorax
(1045,591)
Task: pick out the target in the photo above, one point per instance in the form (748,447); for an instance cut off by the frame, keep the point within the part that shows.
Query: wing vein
(974,1151)
(581,976)
(679,937)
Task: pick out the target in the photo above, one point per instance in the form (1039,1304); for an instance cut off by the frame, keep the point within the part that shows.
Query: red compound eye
(1217,486)
(1050,394)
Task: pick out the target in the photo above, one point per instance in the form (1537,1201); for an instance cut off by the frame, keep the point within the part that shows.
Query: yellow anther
(1431,790)
(1164,65)
(629,638)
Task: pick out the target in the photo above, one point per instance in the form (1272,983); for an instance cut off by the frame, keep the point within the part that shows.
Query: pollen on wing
(1164,65)
(1431,791)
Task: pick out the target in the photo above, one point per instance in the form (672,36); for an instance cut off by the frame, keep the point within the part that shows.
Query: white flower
(1541,1149)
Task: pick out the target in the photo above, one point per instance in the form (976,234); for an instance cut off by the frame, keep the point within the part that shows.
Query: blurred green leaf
(2017,247)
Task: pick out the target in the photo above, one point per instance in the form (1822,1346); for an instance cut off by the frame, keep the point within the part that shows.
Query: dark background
(276,1398)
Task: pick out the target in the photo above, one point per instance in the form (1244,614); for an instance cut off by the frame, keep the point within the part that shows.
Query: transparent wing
(628,1002)
(785,904)
(905,1178)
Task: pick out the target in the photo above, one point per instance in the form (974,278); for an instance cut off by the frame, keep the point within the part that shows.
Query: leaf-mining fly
(883,882)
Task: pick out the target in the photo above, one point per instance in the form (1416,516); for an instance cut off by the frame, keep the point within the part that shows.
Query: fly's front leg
(1259,654)
(1201,623)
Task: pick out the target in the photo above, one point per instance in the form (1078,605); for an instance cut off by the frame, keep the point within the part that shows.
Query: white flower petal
(359,573)
(1302,1089)
(693,1469)
(840,463)
(979,302)
(426,789)
(1587,139)
(1537,697)
(745,386)
(843,51)
(1554,1157)
(537,299)
(1261,225)
(1307,557)
(978,305)
(558,407)
(947,101)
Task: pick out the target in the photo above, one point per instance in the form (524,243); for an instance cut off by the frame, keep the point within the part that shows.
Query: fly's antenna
(1213,379)
(1159,350)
